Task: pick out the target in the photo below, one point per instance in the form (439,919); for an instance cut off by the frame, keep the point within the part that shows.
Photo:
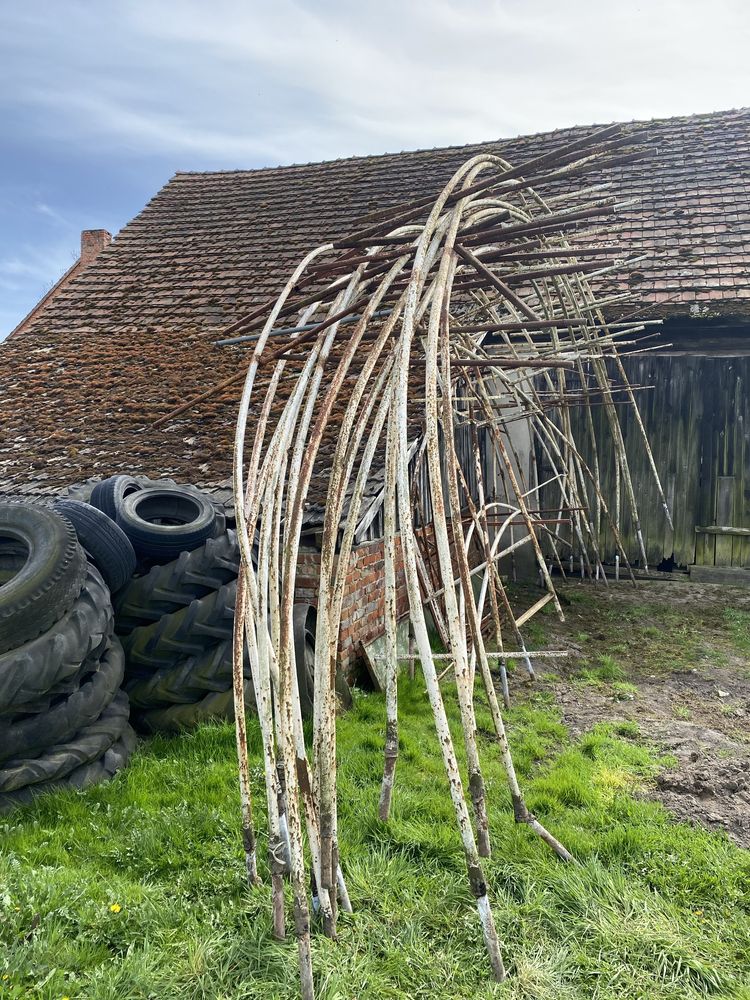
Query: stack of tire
(175,616)
(63,715)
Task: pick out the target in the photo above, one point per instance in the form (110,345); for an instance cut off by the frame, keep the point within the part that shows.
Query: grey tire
(30,671)
(107,496)
(221,513)
(88,744)
(161,522)
(63,720)
(49,578)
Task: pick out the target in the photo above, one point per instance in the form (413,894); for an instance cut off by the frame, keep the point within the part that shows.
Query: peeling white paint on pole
(391,321)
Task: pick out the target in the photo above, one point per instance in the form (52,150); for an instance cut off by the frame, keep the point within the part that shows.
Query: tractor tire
(88,744)
(63,720)
(66,687)
(189,632)
(214,707)
(304,653)
(113,760)
(47,581)
(31,671)
(187,682)
(170,587)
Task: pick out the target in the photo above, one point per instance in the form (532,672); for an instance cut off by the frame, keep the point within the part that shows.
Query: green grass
(607,669)
(654,636)
(739,628)
(653,909)
(624,691)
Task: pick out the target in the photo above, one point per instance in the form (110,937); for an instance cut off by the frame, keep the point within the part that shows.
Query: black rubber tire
(66,687)
(49,581)
(82,491)
(193,518)
(10,562)
(107,545)
(29,672)
(188,632)
(174,585)
(214,707)
(220,522)
(88,744)
(80,778)
(188,681)
(71,713)
(304,653)
(221,512)
(108,495)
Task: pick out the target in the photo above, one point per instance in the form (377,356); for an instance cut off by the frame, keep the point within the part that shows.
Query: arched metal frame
(471,309)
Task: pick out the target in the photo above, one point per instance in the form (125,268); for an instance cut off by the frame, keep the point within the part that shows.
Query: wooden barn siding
(696,412)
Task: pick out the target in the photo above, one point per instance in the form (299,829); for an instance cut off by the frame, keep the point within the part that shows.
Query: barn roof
(132,337)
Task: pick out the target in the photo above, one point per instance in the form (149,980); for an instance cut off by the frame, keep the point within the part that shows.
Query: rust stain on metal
(421,364)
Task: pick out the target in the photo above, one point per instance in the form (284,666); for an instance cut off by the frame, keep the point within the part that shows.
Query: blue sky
(100,103)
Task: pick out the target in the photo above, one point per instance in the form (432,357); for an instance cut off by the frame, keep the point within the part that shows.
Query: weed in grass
(682,712)
(607,669)
(623,691)
(739,628)
(627,728)
(535,634)
(716,657)
(580,597)
(728,709)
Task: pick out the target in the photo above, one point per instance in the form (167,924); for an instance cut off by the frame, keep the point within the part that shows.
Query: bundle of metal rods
(409,349)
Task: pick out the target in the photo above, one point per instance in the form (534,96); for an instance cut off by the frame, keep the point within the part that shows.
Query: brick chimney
(93,241)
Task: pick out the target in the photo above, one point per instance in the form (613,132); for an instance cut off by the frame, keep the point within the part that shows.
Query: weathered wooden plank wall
(696,410)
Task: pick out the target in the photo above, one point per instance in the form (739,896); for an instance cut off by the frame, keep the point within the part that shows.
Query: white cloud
(245,83)
(241,83)
(31,263)
(50,213)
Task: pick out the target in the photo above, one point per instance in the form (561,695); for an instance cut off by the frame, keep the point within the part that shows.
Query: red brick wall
(308,571)
(364,596)
(364,599)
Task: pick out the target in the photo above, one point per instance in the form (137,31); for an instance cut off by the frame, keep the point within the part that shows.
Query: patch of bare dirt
(671,657)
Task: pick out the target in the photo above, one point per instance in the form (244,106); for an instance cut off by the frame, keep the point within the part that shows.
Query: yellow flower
(115,907)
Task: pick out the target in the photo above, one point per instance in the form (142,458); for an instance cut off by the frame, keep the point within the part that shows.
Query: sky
(100,103)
